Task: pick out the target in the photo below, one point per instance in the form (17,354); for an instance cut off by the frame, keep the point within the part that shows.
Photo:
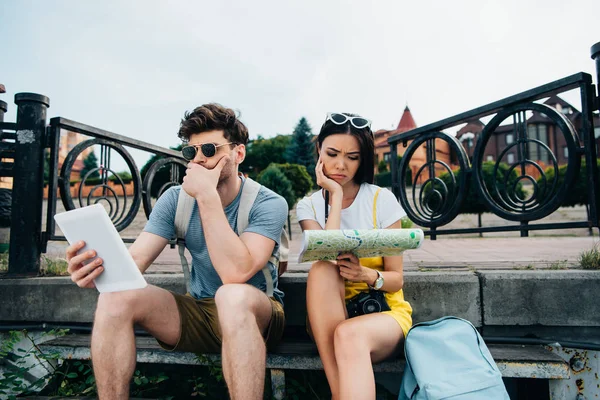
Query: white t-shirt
(359,215)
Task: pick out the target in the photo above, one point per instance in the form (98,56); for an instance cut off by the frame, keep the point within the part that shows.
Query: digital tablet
(93,225)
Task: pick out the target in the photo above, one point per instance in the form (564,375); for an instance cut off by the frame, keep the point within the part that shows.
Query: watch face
(378,282)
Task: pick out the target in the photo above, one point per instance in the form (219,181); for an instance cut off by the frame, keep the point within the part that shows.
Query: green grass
(524,267)
(590,259)
(560,264)
(48,266)
(3,262)
(53,266)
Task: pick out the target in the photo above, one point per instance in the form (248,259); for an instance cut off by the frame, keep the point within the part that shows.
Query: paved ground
(546,249)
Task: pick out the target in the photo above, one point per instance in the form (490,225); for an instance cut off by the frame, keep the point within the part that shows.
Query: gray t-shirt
(267,218)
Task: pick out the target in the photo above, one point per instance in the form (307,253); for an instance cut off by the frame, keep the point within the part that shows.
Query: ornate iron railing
(22,149)
(438,190)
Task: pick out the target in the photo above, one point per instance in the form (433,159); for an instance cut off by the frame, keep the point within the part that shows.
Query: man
(227,308)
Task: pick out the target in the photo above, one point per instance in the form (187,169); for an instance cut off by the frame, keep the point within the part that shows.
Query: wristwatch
(378,282)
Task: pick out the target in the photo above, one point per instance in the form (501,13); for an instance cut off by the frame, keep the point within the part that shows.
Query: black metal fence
(25,146)
(437,191)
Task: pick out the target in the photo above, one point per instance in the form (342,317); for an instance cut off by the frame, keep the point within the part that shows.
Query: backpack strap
(249,192)
(375,208)
(185,206)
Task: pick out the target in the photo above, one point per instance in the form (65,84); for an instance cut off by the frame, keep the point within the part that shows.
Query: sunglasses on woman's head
(208,149)
(340,119)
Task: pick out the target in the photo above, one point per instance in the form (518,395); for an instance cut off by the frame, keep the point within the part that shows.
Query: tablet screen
(93,225)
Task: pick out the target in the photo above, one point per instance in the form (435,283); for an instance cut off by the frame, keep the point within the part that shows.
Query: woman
(349,345)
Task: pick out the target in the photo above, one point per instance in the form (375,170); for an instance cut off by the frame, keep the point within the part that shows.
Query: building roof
(554,100)
(474,126)
(407,122)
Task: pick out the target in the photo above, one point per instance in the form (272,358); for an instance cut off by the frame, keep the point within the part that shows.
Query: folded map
(328,244)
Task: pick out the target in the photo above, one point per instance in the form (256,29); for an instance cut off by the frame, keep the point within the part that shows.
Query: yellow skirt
(400,309)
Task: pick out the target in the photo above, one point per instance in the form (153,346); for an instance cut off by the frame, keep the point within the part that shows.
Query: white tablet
(93,225)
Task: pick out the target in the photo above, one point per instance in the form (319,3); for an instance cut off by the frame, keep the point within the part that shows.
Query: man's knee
(236,297)
(117,305)
(236,304)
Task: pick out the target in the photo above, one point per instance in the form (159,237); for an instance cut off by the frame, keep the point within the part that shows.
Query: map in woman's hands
(328,244)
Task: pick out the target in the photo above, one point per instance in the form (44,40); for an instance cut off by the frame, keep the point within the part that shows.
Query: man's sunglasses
(208,149)
(341,119)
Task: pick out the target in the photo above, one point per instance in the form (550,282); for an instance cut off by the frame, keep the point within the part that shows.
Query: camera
(366,303)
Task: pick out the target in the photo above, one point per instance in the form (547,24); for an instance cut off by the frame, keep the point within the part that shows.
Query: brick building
(539,127)
(407,123)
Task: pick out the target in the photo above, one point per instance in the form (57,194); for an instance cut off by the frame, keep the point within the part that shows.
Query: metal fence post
(595,50)
(3,109)
(28,180)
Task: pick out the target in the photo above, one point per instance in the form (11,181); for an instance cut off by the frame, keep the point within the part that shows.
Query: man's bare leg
(244,315)
(113,341)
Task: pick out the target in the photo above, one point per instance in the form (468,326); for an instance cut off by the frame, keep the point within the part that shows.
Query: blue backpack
(448,359)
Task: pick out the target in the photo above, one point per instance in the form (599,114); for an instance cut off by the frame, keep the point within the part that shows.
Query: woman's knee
(324,270)
(349,338)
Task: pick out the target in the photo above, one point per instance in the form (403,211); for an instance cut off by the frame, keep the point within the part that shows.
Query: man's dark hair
(213,117)
(365,172)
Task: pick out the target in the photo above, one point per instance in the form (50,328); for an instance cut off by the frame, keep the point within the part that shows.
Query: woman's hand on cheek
(323,181)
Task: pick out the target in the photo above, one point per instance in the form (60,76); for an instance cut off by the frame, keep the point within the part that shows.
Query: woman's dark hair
(366,169)
(212,117)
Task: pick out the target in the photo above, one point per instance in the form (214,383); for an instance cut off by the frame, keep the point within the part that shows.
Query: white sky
(134,67)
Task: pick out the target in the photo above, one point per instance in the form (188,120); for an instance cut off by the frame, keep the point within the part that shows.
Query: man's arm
(146,248)
(235,258)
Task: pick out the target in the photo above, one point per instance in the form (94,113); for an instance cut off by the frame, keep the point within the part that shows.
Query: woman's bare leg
(326,310)
(359,342)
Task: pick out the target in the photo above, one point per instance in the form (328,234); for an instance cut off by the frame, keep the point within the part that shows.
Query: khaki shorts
(200,331)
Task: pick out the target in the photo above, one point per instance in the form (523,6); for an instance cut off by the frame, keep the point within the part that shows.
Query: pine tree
(90,163)
(302,149)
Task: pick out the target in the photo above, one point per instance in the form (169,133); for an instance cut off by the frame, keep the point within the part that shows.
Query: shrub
(406,223)
(274,179)
(473,202)
(124,175)
(299,178)
(578,195)
(384,179)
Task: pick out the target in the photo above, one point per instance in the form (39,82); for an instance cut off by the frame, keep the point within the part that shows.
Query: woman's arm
(334,220)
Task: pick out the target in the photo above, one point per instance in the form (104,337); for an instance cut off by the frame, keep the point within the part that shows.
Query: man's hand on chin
(200,181)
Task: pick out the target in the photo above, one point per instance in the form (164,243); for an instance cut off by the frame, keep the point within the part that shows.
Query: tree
(90,163)
(299,178)
(382,166)
(302,148)
(261,152)
(275,179)
(163,175)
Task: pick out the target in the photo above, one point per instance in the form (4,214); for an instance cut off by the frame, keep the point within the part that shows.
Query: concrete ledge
(492,299)
(438,294)
(513,361)
(57,299)
(549,298)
